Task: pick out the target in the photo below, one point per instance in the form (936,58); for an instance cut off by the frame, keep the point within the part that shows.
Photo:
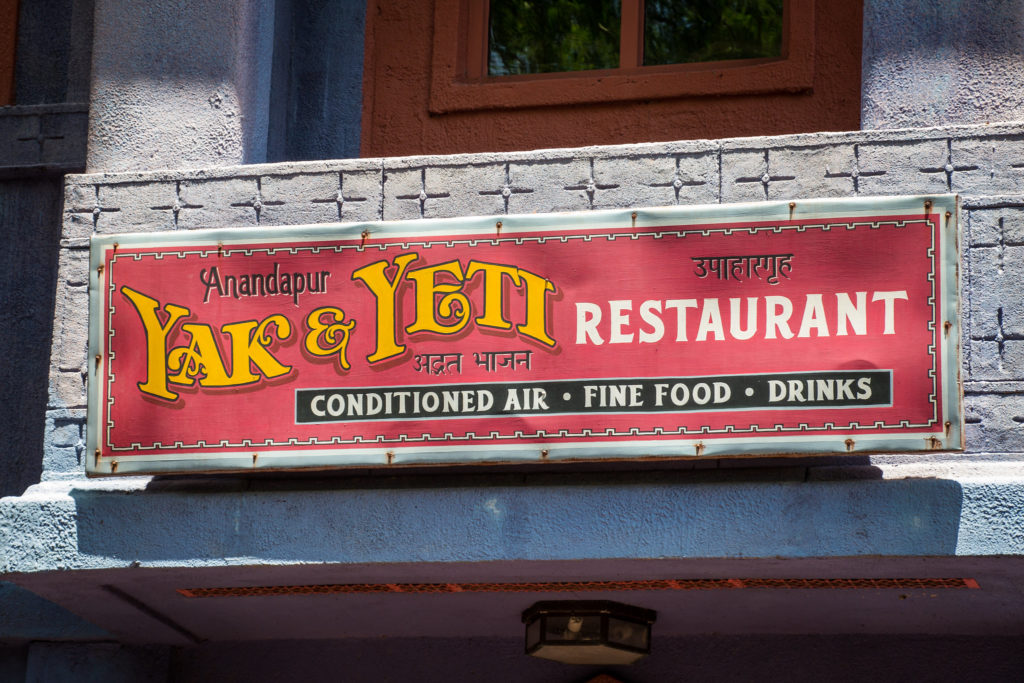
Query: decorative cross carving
(591,186)
(257,202)
(767,177)
(507,189)
(177,207)
(97,209)
(423,195)
(677,183)
(40,137)
(855,173)
(339,197)
(949,167)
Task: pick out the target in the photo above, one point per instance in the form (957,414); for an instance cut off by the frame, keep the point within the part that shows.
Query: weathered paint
(949,61)
(191,88)
(398,118)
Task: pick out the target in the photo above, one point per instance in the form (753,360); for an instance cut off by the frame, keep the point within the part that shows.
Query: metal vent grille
(580,586)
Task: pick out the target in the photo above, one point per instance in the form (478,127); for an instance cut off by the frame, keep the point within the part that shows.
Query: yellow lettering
(535,325)
(453,303)
(385,292)
(200,359)
(249,343)
(494,299)
(329,336)
(156,340)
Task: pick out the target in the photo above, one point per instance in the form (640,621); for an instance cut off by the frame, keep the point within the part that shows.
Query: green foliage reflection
(542,36)
(681,31)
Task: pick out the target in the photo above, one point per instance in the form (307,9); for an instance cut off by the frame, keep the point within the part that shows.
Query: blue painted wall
(317,87)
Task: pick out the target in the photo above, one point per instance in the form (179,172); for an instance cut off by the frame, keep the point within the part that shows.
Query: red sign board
(772,328)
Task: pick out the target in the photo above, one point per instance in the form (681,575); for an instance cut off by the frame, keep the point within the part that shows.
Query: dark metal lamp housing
(588,631)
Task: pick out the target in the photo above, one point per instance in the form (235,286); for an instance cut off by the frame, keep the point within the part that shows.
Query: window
(545,36)
(427,87)
(526,53)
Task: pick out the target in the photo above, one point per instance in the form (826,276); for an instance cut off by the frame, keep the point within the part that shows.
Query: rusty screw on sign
(699,448)
(792,206)
(544,454)
(849,444)
(946,326)
(497,226)
(220,249)
(364,235)
(634,219)
(391,457)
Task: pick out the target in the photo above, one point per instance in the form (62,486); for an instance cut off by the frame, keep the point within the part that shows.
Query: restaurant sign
(826,326)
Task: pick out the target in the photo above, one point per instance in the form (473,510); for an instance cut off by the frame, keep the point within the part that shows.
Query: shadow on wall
(27,617)
(836,659)
(656,514)
(30,223)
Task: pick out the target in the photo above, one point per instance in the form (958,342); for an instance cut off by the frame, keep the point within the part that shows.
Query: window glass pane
(681,31)
(627,633)
(573,628)
(541,36)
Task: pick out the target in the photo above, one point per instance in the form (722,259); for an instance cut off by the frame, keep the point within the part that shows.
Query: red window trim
(459,81)
(8,42)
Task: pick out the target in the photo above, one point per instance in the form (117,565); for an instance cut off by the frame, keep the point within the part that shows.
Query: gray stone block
(907,167)
(403,192)
(638,181)
(300,199)
(983,284)
(71,329)
(987,166)
(77,227)
(1010,291)
(996,360)
(8,124)
(743,173)
(1013,358)
(817,171)
(73,267)
(698,175)
(136,207)
(217,202)
(64,441)
(557,184)
(67,390)
(995,422)
(363,195)
(79,197)
(474,190)
(312,196)
(992,227)
(24,147)
(64,138)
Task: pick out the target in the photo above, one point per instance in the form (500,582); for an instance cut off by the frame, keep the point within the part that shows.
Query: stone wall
(985,165)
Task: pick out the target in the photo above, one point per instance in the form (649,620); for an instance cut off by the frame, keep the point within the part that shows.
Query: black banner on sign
(802,390)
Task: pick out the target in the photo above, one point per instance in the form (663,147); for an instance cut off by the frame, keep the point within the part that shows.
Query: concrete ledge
(944,509)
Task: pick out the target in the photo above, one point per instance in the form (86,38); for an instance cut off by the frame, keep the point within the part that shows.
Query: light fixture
(588,631)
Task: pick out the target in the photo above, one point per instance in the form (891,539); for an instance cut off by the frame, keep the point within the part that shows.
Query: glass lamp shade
(588,631)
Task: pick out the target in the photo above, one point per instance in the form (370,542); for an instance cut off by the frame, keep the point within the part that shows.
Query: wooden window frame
(459,80)
(8,43)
